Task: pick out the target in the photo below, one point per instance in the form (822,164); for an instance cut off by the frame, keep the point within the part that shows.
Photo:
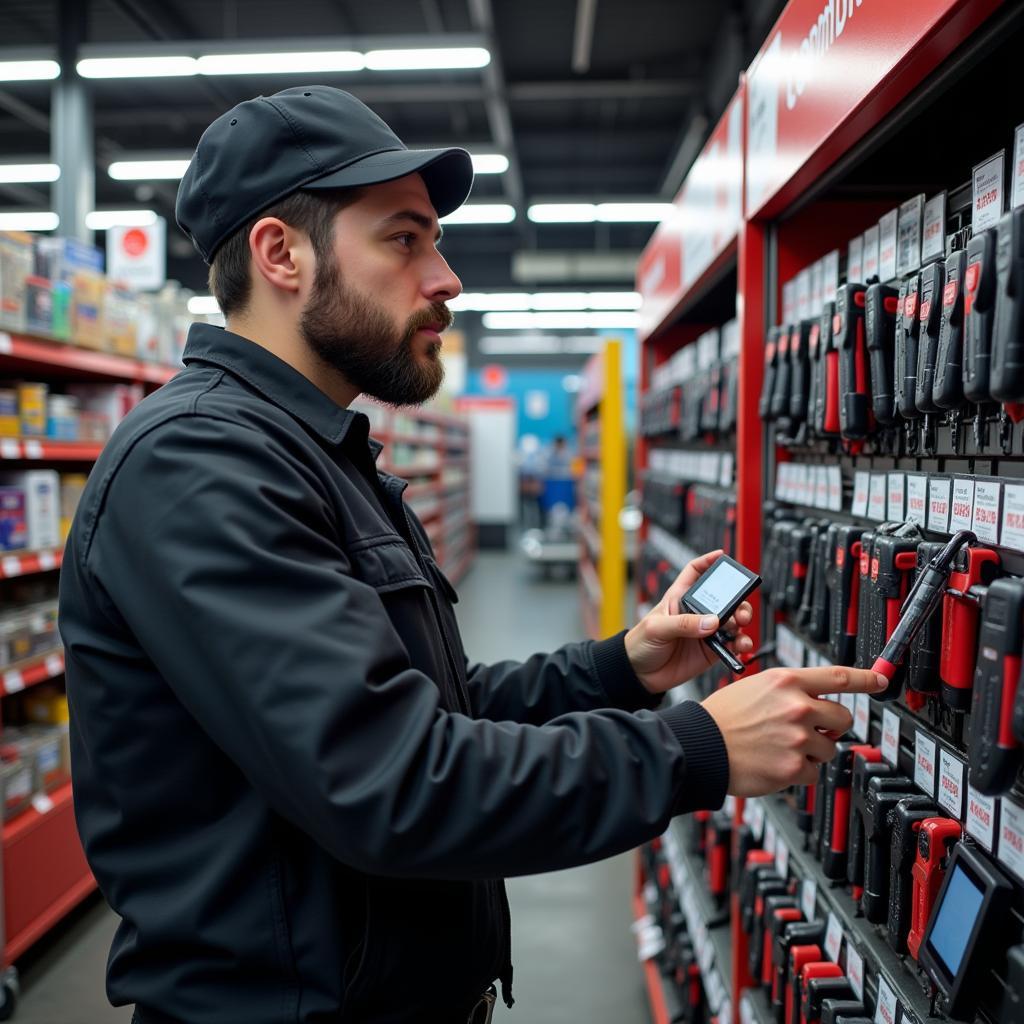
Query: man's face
(376,309)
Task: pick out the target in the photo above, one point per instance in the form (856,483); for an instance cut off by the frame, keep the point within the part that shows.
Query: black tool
(880,307)
(907,333)
(979,315)
(771,361)
(836,797)
(839,1011)
(864,770)
(1008,330)
(843,579)
(922,677)
(906,819)
(856,417)
(883,796)
(828,381)
(948,386)
(800,371)
(817,990)
(793,934)
(933,279)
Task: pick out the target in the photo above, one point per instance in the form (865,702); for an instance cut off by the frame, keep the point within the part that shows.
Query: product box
(45,705)
(16,787)
(38,306)
(88,291)
(61,293)
(32,408)
(112,402)
(16,264)
(71,487)
(10,418)
(147,328)
(41,488)
(62,418)
(119,319)
(13,520)
(60,259)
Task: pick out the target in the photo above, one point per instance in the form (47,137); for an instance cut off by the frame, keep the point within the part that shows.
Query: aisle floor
(574,954)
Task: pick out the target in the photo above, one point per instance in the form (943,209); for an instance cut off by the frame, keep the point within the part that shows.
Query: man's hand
(665,648)
(776,728)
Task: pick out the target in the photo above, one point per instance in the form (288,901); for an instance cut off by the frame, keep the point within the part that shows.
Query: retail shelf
(414,491)
(657,992)
(38,354)
(755,1008)
(31,672)
(28,563)
(715,918)
(14,449)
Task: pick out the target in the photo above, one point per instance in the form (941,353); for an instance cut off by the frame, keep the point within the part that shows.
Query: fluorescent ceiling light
(137,67)
(280,63)
(615,300)
(101,220)
(636,213)
(562,213)
(560,321)
(39,221)
(435,59)
(19,173)
(203,305)
(147,170)
(29,70)
(490,302)
(485,302)
(490,163)
(481,213)
(559,300)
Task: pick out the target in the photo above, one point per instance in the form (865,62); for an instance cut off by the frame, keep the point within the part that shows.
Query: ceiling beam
(24,113)
(624,89)
(583,37)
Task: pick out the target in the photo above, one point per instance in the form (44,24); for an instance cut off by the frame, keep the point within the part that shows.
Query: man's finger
(838,679)
(820,748)
(688,576)
(831,717)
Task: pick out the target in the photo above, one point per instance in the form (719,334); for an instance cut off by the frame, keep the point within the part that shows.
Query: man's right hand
(776,727)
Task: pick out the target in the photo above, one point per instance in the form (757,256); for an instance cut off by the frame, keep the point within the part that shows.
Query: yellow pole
(612,566)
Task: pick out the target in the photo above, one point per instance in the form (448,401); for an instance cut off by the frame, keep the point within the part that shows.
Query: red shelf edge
(42,924)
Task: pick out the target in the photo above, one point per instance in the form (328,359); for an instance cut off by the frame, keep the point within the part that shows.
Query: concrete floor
(575,958)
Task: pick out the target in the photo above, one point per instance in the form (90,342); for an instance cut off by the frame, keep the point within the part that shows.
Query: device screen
(955,919)
(720,589)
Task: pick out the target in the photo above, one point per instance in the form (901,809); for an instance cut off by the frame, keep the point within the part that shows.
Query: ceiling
(651,80)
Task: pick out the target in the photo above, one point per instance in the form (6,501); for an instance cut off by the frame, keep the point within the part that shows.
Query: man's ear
(279,253)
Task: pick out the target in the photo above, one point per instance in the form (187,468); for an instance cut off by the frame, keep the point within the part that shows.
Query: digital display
(956,917)
(720,589)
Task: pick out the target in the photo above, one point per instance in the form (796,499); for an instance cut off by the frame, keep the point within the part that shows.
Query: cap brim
(447,173)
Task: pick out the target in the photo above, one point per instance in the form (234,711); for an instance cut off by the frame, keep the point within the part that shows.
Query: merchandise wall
(877,276)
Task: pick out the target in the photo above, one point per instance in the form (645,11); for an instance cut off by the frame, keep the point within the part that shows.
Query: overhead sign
(829,61)
(137,256)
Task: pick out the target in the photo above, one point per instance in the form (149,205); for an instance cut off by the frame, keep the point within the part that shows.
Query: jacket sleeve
(577,677)
(218,546)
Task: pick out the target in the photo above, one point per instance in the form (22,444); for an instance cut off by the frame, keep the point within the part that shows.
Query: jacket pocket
(386,563)
(440,581)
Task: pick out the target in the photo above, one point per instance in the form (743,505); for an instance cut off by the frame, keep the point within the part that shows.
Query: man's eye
(406,239)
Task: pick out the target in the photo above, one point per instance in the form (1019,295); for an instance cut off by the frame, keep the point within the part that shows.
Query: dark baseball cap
(309,137)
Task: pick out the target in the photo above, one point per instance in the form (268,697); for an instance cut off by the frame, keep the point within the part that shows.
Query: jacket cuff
(706,778)
(617,678)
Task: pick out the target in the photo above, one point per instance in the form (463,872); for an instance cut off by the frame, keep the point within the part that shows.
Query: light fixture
(137,67)
(562,213)
(433,59)
(101,220)
(568,321)
(485,302)
(32,221)
(313,62)
(203,305)
(489,163)
(607,213)
(481,213)
(29,70)
(147,170)
(492,302)
(21,173)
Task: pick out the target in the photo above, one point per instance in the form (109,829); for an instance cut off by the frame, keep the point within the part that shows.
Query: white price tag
(730,806)
(833,938)
(803,293)
(11,566)
(887,245)
(725,478)
(940,489)
(9,448)
(855,970)
(908,245)
(47,560)
(1013,516)
(986,510)
(897,487)
(821,487)
(933,240)
(1017,192)
(33,450)
(6,343)
(829,276)
(917,498)
(877,497)
(782,858)
(789,301)
(887,1006)
(756,817)
(849,701)
(835,489)
(54,665)
(870,262)
(924,763)
(1011,837)
(13,681)
(862,717)
(890,736)
(855,259)
(981,817)
(747,1011)
(725,1012)
(860,493)
(42,803)
(951,784)
(817,288)
(808,897)
(987,191)
(770,837)
(961,515)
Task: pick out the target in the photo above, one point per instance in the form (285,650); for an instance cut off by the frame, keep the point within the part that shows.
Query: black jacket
(290,784)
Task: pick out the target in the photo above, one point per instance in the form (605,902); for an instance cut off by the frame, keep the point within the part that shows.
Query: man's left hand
(665,648)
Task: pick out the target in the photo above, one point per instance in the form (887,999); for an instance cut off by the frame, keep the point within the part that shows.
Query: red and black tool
(881,304)
(856,417)
(808,934)
(836,796)
(843,580)
(864,770)
(936,838)
(820,971)
(905,821)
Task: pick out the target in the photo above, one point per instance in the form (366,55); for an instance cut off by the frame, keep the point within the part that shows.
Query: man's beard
(358,339)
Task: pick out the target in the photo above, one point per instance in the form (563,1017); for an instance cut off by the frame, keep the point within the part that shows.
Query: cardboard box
(61,293)
(112,402)
(60,259)
(10,419)
(120,309)
(16,263)
(41,489)
(38,306)
(32,408)
(88,291)
(71,487)
(13,521)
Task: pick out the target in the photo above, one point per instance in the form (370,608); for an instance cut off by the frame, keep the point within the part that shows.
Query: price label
(908,244)
(924,762)
(833,938)
(895,503)
(789,301)
(855,259)
(13,681)
(821,487)
(54,665)
(1013,516)
(9,448)
(939,491)
(803,294)
(782,858)
(835,489)
(747,1011)
(756,821)
(47,560)
(890,736)
(1011,837)
(829,276)
(860,493)
(849,701)
(981,817)
(817,287)
(987,189)
(986,510)
(6,343)
(917,498)
(42,803)
(887,1006)
(1017,195)
(887,245)
(870,261)
(33,450)
(808,897)
(862,717)
(951,784)
(770,837)
(933,239)
(725,1010)
(11,566)
(877,488)
(730,806)
(961,513)
(725,478)
(855,970)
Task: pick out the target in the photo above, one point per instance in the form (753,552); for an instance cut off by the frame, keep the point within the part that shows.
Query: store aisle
(574,954)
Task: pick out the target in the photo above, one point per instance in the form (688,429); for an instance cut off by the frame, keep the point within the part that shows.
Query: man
(292,786)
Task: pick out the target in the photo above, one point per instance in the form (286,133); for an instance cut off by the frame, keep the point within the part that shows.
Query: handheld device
(966,924)
(907,334)
(798,933)
(979,315)
(1008,330)
(817,990)
(948,385)
(880,306)
(759,936)
(843,579)
(836,798)
(923,664)
(906,820)
(779,409)
(799,958)
(933,280)
(771,360)
(821,969)
(779,918)
(828,374)
(800,370)
(884,795)
(856,417)
(864,770)
(935,839)
(719,591)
